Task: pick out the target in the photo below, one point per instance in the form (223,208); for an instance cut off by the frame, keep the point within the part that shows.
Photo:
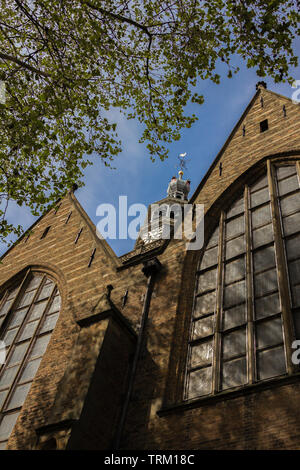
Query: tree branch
(23,64)
(116,16)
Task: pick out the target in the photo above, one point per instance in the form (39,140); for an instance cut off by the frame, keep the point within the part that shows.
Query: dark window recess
(284,110)
(77,236)
(56,208)
(68,218)
(262,102)
(92,257)
(220,169)
(264,126)
(45,232)
(244,131)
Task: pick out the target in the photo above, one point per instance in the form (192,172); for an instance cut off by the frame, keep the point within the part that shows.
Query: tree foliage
(66,63)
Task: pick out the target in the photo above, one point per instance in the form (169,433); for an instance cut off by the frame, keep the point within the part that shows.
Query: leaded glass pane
(261,216)
(291,224)
(234,343)
(27,298)
(236,208)
(262,236)
(296,318)
(294,269)
(235,270)
(18,353)
(265,282)
(259,197)
(40,346)
(199,382)
(28,331)
(264,259)
(7,425)
(235,247)
(37,310)
(49,323)
(203,327)
(235,227)
(269,333)
(3,396)
(266,306)
(10,336)
(285,171)
(234,373)
(290,204)
(205,304)
(34,283)
(235,316)
(210,258)
(30,370)
(293,247)
(207,281)
(261,183)
(8,376)
(18,317)
(55,305)
(3,445)
(235,294)
(18,396)
(12,294)
(201,354)
(296,295)
(271,363)
(6,307)
(288,185)
(214,239)
(46,291)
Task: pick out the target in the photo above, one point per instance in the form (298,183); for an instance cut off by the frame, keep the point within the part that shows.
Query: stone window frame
(287,311)
(19,285)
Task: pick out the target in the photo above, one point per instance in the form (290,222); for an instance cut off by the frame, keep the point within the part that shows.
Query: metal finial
(182,161)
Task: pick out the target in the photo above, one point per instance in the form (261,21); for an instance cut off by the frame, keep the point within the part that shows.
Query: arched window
(246,310)
(28,314)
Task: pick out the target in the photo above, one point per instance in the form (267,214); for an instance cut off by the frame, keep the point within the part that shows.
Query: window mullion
(281,270)
(249,284)
(219,299)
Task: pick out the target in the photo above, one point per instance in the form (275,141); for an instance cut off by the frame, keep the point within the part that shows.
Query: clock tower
(162,215)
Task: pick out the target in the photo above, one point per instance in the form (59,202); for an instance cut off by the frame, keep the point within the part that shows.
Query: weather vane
(182,161)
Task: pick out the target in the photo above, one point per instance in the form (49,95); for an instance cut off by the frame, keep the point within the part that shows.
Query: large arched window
(247,302)
(28,313)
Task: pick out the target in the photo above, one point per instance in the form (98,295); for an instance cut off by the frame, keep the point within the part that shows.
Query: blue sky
(144,181)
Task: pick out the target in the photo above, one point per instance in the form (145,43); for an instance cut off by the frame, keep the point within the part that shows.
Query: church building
(164,347)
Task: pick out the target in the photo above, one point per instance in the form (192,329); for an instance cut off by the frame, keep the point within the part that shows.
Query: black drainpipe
(150,269)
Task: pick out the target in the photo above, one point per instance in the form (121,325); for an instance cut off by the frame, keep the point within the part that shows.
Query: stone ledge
(229,394)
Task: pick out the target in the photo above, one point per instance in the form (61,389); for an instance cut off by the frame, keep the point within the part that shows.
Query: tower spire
(179,188)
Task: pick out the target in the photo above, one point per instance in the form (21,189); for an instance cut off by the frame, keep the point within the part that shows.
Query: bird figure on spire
(182,161)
